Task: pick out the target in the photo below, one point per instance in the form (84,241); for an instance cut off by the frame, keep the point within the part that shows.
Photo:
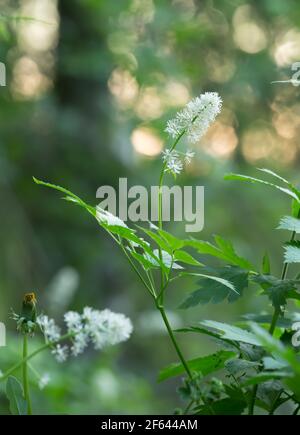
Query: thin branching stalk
(26,358)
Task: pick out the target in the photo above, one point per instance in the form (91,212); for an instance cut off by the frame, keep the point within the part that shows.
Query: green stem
(161,180)
(274,404)
(174,341)
(274,321)
(159,300)
(252,400)
(188,407)
(296,410)
(25,375)
(148,287)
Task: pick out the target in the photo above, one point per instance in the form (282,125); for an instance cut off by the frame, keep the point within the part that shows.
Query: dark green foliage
(253,357)
(278,291)
(227,406)
(203,365)
(215,292)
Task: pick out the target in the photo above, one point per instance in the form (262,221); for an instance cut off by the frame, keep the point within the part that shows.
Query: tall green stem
(163,285)
(161,180)
(25,375)
(174,341)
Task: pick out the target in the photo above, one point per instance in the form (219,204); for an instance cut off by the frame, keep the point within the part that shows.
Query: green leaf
(173,242)
(185,257)
(273,363)
(15,395)
(227,406)
(224,250)
(170,245)
(205,331)
(289,223)
(204,365)
(295,209)
(277,290)
(219,280)
(248,179)
(266,266)
(268,392)
(267,376)
(143,260)
(70,195)
(156,237)
(109,222)
(231,332)
(275,347)
(237,366)
(166,261)
(279,177)
(229,284)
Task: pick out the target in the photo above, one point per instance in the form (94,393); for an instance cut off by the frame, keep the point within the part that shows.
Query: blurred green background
(90,85)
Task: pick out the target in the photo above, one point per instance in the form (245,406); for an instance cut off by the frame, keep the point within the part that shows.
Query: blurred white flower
(49,328)
(79,343)
(106,384)
(102,328)
(174,165)
(108,328)
(188,157)
(44,381)
(196,117)
(169,155)
(60,353)
(73,321)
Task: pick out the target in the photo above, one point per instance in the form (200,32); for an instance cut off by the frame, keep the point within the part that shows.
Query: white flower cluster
(196,117)
(48,326)
(102,328)
(174,160)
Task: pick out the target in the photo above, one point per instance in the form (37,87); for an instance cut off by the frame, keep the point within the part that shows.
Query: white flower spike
(101,328)
(196,117)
